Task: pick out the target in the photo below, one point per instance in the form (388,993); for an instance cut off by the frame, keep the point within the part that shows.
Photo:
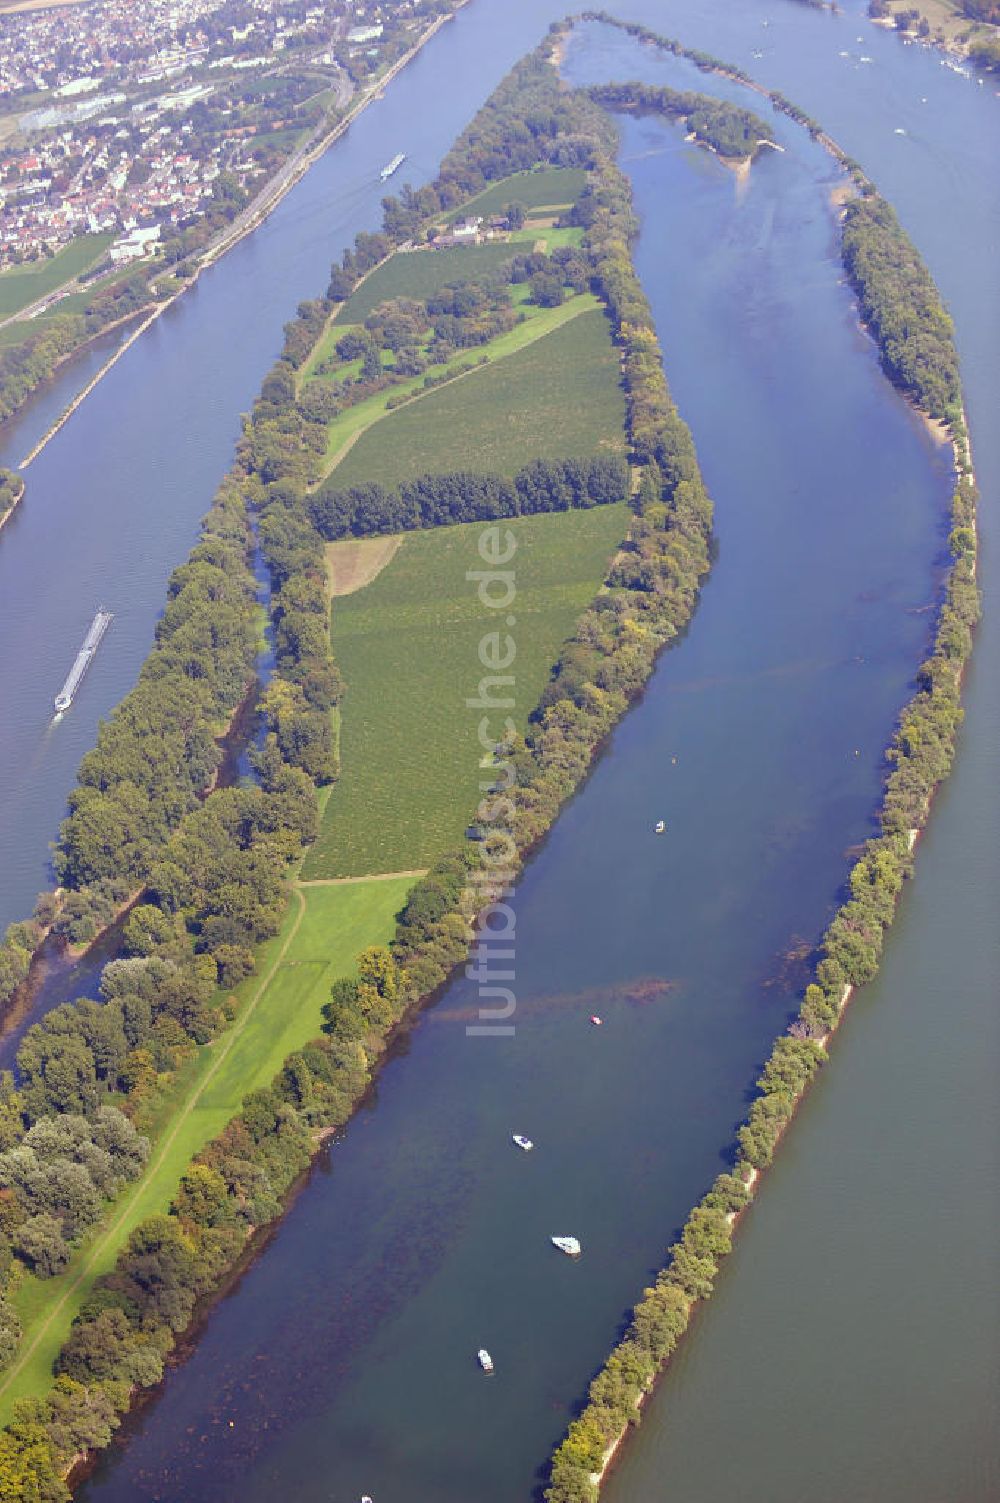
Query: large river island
(341,1363)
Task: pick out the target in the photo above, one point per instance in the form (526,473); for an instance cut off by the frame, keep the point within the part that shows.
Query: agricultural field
(407,644)
(418,274)
(24,285)
(549,187)
(347,427)
(325,928)
(558,398)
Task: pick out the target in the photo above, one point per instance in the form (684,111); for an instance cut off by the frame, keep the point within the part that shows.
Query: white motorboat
(522,1142)
(485,1360)
(660,826)
(569,1245)
(393,166)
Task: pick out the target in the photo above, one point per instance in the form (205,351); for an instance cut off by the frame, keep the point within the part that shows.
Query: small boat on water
(485,1360)
(568,1245)
(522,1142)
(393,166)
(596,1020)
(660,826)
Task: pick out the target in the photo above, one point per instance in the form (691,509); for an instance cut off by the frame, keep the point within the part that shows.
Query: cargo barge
(83,660)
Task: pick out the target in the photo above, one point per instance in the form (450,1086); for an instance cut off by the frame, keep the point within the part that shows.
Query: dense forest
(902,307)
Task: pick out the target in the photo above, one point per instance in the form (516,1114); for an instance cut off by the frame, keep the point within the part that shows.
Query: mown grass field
(407,645)
(559,398)
(26,284)
(324,929)
(536,190)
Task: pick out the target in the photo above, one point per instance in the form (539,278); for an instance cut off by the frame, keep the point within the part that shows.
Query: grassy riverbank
(278,1010)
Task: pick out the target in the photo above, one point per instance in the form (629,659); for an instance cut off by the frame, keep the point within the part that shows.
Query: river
(343,1362)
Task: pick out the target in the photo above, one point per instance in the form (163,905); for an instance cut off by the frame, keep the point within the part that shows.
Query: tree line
(469,496)
(706,63)
(25,365)
(902,307)
(211,875)
(11,491)
(158,752)
(920,755)
(733,132)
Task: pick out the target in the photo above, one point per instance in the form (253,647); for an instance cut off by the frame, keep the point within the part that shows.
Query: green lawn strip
(550,187)
(323,931)
(407,645)
(353,421)
(557,397)
(26,284)
(554,238)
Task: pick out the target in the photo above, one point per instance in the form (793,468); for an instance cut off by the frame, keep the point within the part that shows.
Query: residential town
(133,121)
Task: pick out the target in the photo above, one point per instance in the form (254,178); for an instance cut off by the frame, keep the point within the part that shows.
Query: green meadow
(279,1011)
(26,284)
(408,646)
(558,398)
